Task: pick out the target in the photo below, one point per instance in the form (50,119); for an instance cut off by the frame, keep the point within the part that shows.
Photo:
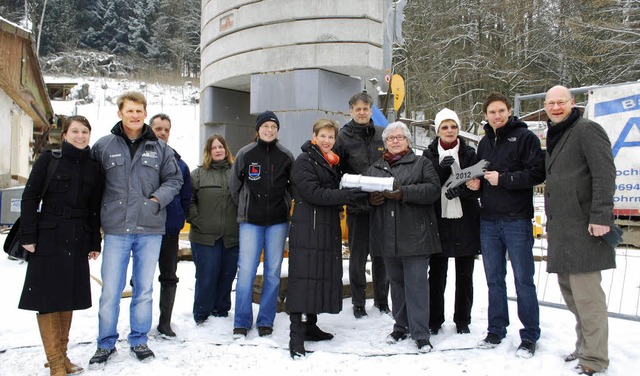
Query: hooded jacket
(131,181)
(514,152)
(212,213)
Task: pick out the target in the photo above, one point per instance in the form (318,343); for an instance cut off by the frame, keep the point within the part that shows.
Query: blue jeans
(253,239)
(216,268)
(515,238)
(115,260)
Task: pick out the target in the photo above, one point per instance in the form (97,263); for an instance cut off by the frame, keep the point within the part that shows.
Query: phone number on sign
(628,187)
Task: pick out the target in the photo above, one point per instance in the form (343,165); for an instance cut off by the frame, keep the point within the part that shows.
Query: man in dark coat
(359,144)
(176,215)
(579,206)
(506,210)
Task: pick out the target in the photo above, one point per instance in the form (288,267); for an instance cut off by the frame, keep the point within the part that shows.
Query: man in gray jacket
(579,206)
(141,179)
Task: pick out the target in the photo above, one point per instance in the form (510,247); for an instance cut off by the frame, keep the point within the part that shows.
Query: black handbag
(12,244)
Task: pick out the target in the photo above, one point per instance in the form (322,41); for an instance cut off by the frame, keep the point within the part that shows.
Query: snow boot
(312,332)
(167,298)
(296,336)
(49,325)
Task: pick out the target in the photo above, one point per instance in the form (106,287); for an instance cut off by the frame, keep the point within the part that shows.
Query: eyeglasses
(269,126)
(552,104)
(446,127)
(399,137)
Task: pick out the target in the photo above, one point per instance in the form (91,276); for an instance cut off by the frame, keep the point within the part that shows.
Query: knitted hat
(446,114)
(265,117)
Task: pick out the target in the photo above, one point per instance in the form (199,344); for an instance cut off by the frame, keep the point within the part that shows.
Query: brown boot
(49,324)
(65,326)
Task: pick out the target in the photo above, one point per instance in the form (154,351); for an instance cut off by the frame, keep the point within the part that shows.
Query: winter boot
(312,332)
(296,336)
(49,324)
(65,327)
(167,298)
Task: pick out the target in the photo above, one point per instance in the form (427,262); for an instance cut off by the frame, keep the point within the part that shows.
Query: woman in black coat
(404,232)
(61,238)
(458,224)
(315,237)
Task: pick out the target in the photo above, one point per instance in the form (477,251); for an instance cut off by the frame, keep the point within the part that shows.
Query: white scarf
(450,208)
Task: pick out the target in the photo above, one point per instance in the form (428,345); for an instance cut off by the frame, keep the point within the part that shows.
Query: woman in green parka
(214,231)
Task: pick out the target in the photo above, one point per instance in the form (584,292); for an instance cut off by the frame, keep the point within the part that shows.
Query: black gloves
(452,193)
(355,194)
(396,194)
(376,198)
(447,161)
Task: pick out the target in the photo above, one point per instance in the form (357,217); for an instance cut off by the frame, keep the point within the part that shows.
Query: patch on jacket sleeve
(254,171)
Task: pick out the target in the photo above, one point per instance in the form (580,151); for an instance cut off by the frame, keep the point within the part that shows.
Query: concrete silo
(302,59)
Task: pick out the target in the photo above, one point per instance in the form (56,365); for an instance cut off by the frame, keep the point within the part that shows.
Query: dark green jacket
(212,213)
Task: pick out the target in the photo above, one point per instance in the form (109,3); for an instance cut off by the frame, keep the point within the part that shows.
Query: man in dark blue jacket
(176,214)
(506,209)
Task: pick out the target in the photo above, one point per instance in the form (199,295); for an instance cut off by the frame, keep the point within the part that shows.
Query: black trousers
(464,289)
(358,226)
(168,260)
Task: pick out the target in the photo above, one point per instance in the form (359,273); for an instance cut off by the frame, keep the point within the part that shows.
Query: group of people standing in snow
(139,191)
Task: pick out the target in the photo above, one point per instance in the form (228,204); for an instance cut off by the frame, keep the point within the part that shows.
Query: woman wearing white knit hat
(458,224)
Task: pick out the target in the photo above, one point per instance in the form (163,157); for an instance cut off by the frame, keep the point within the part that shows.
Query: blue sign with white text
(615,106)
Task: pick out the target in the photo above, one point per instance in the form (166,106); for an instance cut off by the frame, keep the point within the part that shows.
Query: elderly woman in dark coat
(61,239)
(315,246)
(458,215)
(404,232)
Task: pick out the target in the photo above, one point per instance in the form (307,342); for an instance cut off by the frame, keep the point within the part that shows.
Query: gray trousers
(586,300)
(409,294)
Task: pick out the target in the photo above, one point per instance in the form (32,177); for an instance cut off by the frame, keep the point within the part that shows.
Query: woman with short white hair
(404,232)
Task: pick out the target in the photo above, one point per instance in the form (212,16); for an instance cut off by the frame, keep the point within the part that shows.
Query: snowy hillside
(99,107)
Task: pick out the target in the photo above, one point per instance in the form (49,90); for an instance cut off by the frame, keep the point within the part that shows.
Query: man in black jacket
(359,144)
(506,209)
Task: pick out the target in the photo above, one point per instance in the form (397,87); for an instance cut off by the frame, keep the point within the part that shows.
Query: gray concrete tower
(302,59)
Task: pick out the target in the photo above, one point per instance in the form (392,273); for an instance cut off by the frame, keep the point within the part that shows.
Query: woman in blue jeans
(214,231)
(260,186)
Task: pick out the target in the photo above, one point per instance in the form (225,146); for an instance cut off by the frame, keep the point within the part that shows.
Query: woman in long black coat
(315,237)
(61,238)
(458,224)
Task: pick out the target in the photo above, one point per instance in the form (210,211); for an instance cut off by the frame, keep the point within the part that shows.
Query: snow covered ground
(358,346)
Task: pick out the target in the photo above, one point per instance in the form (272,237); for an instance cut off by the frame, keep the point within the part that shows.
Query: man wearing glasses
(506,209)
(579,206)
(359,144)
